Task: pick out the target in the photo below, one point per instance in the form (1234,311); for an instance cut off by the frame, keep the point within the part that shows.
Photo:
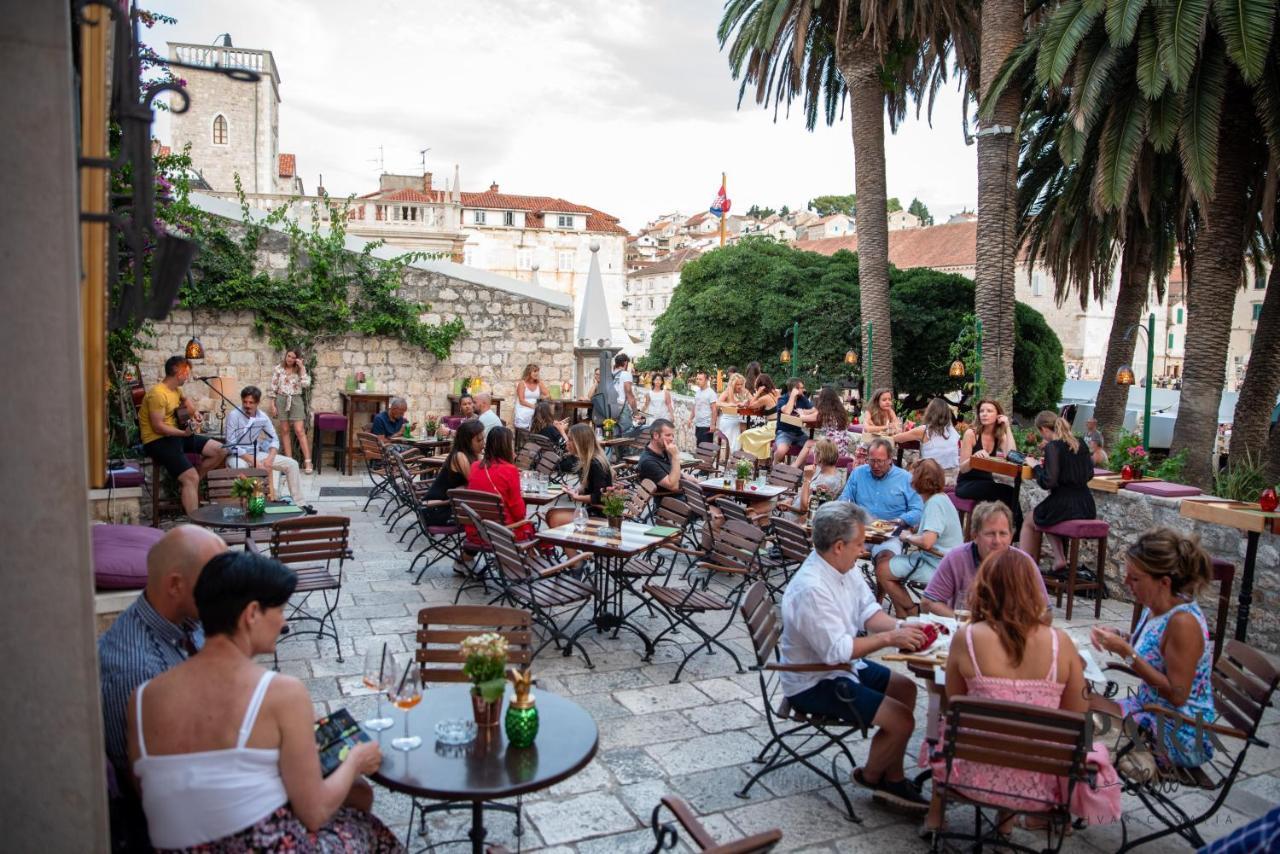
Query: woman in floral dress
(288,381)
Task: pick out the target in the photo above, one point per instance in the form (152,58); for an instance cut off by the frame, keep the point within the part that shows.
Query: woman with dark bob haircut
(223,750)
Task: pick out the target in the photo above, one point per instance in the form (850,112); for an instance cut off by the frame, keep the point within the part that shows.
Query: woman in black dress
(468,442)
(992,437)
(1065,471)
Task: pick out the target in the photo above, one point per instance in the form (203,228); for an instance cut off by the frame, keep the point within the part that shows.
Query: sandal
(306,467)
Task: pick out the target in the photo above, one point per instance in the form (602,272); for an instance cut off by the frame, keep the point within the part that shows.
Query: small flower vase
(1126,473)
(486,712)
(521,724)
(614,522)
(257,505)
(739,484)
(608,433)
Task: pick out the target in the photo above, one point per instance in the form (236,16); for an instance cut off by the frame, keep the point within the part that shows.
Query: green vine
(326,292)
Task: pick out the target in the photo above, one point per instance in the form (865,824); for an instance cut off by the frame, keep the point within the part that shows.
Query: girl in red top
(498,474)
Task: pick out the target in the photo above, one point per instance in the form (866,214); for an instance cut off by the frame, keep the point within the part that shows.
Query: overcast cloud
(624,105)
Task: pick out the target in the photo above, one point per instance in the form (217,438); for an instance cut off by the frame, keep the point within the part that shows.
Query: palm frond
(1246,27)
(1151,76)
(1118,150)
(1016,65)
(1164,120)
(1063,32)
(1201,119)
(1266,96)
(1092,81)
(1180,25)
(1122,20)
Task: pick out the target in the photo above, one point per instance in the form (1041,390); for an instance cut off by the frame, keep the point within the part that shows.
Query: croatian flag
(720,206)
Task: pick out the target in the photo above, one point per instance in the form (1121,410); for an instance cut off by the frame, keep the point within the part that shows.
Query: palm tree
(1252,418)
(1207,83)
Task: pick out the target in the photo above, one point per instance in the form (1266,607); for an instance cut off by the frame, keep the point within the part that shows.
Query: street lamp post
(792,357)
(1124,376)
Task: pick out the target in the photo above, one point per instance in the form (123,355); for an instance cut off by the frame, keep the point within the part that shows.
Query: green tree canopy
(759,212)
(737,304)
(892,204)
(827,205)
(917,208)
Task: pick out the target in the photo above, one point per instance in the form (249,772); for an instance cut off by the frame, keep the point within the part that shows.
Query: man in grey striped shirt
(159,630)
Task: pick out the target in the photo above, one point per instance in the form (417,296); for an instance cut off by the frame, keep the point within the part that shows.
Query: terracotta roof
(533,206)
(670,264)
(937,247)
(288,165)
(697,218)
(406,195)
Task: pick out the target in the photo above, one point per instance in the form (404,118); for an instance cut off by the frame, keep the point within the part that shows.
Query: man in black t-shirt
(660,460)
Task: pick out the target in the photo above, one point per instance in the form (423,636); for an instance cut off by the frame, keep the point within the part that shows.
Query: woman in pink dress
(1009,652)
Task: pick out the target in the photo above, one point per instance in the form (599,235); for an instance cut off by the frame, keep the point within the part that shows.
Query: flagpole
(724,189)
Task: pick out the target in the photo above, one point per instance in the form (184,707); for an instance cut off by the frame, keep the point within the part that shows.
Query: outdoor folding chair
(671,513)
(441,630)
(707,456)
(475,565)
(1018,736)
(794,737)
(218,485)
(698,838)
(311,546)
(405,474)
(1244,683)
(640,503)
(443,541)
(794,545)
(552,596)
(374,467)
(733,554)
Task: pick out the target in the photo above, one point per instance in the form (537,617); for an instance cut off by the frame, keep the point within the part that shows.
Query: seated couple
(168,424)
(219,751)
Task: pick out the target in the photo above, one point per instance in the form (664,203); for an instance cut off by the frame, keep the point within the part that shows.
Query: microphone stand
(225,401)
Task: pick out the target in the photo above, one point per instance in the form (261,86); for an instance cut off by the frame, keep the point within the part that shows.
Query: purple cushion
(1099,472)
(441,530)
(855,428)
(125,477)
(451,421)
(962,505)
(120,555)
(1080,529)
(1162,488)
(333,421)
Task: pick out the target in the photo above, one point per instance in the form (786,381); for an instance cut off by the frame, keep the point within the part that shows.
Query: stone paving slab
(694,739)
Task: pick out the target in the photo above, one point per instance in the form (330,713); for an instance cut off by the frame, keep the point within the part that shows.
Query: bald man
(159,630)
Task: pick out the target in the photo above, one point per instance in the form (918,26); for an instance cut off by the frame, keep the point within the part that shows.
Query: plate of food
(937,634)
(883,526)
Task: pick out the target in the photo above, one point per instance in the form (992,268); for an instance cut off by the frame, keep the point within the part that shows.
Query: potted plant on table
(431,425)
(613,503)
(485,664)
(608,426)
(742,472)
(249,491)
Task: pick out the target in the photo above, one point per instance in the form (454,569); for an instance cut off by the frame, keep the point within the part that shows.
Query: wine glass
(405,696)
(378,678)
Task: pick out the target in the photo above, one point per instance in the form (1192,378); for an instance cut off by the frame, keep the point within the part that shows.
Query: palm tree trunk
(1252,418)
(1002,31)
(1131,298)
(1211,295)
(860,68)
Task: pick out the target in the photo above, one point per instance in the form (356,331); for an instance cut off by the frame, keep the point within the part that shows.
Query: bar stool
(329,422)
(964,506)
(1075,530)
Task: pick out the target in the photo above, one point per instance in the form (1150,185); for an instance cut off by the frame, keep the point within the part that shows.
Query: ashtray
(455,731)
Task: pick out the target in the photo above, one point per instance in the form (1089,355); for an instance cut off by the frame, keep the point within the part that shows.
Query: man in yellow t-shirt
(167,443)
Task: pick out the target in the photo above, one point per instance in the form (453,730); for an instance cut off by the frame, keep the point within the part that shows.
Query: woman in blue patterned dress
(1169,649)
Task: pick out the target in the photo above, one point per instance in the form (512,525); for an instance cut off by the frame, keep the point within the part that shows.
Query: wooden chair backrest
(735,544)
(542,443)
(1244,682)
(219,481)
(513,562)
(672,513)
(786,475)
(369,446)
(731,509)
(485,505)
(1017,735)
(527,456)
(763,623)
(694,497)
(792,539)
(442,629)
(311,539)
(699,839)
(549,462)
(743,457)
(708,453)
(641,495)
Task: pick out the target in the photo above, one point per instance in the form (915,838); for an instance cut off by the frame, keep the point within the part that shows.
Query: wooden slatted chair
(314,547)
(476,565)
(218,485)
(442,541)
(707,456)
(1244,686)
(1017,736)
(795,738)
(441,630)
(794,545)
(553,597)
(733,556)
(640,502)
(698,838)
(660,561)
(374,467)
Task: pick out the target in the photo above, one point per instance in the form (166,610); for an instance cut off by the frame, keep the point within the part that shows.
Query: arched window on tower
(220,130)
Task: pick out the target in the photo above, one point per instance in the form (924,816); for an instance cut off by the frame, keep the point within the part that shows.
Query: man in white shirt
(622,380)
(252,443)
(824,608)
(704,401)
(485,413)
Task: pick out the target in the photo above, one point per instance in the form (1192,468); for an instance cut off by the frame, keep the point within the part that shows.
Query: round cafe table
(487,768)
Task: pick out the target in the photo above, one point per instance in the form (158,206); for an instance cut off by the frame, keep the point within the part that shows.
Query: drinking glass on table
(377,677)
(963,616)
(406,695)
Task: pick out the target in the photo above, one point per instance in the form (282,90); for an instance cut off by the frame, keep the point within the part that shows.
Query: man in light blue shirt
(884,491)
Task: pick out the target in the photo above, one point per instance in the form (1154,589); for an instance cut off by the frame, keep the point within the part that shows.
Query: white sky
(624,105)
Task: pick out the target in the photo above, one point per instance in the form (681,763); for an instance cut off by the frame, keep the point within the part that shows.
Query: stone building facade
(509,325)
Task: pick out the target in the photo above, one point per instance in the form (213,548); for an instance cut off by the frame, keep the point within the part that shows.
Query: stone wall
(1131,513)
(509,324)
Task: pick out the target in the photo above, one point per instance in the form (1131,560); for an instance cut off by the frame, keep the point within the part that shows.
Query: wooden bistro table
(1247,517)
(609,554)
(998,465)
(359,407)
(570,408)
(430,447)
(487,768)
(212,516)
(749,493)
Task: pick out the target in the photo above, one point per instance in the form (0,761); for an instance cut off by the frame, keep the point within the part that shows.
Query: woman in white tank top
(529,391)
(242,770)
(658,405)
(939,440)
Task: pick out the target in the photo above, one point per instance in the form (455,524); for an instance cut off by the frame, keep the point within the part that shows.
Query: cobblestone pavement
(694,739)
